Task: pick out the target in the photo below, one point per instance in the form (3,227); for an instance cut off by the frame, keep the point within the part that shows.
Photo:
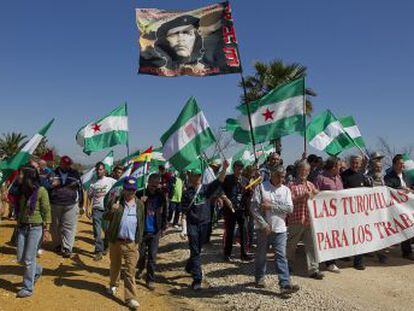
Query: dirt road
(79,283)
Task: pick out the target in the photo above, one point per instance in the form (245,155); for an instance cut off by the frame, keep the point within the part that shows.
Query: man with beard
(181,43)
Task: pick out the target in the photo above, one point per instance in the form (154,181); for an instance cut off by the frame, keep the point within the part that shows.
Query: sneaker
(112,290)
(333,268)
(196,285)
(150,285)
(98,256)
(359,267)
(227,259)
(39,253)
(261,283)
(317,275)
(289,289)
(23,293)
(176,226)
(132,304)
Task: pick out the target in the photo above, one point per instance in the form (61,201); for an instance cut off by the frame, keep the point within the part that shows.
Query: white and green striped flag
(326,133)
(409,168)
(352,129)
(158,159)
(278,113)
(106,132)
(187,137)
(89,176)
(23,156)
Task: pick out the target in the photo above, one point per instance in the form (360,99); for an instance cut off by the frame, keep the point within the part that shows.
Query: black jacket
(69,191)
(159,201)
(392,180)
(198,207)
(351,179)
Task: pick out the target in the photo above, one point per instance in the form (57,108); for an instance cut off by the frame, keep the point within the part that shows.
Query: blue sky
(76,60)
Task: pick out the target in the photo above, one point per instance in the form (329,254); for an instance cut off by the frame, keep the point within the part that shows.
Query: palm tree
(10,144)
(271,75)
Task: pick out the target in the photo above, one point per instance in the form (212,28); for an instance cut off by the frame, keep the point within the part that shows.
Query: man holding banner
(397,179)
(298,222)
(353,178)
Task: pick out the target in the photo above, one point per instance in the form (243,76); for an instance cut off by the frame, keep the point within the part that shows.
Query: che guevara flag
(199,42)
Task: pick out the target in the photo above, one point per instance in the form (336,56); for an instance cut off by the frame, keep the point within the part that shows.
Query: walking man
(66,196)
(235,212)
(271,203)
(196,206)
(125,230)
(298,222)
(96,194)
(154,225)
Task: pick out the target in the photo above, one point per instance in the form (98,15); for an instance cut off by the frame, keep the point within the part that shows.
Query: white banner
(360,220)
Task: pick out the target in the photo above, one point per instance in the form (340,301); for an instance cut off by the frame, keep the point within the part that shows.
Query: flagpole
(248,112)
(127,143)
(304,119)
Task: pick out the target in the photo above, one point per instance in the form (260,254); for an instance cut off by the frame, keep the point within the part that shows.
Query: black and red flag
(199,42)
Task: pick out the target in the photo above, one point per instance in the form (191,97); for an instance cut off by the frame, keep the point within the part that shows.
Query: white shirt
(98,190)
(281,201)
(403,183)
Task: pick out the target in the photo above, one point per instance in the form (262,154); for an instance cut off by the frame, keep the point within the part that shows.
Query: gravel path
(230,286)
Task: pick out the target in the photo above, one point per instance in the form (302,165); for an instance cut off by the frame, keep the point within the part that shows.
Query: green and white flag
(409,168)
(326,133)
(89,176)
(23,156)
(106,132)
(244,155)
(352,129)
(187,137)
(278,113)
(158,159)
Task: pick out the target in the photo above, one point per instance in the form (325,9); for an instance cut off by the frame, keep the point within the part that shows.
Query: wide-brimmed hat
(376,156)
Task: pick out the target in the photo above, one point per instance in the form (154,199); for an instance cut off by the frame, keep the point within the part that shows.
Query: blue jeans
(98,225)
(278,242)
(28,239)
(197,236)
(148,254)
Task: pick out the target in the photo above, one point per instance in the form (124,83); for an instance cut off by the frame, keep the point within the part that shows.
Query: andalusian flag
(23,156)
(89,176)
(278,113)
(106,132)
(409,167)
(158,159)
(352,129)
(187,137)
(325,132)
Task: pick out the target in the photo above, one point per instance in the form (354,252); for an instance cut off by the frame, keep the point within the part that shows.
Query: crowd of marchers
(261,208)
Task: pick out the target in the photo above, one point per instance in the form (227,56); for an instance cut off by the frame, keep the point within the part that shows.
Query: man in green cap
(196,205)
